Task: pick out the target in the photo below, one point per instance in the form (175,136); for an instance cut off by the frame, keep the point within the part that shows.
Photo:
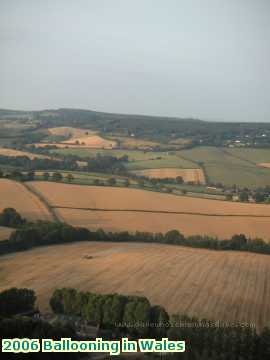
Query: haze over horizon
(190,58)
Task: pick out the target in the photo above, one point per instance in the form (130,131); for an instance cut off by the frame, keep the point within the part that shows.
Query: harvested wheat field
(78,137)
(227,286)
(133,209)
(215,226)
(134,143)
(70,131)
(5,232)
(91,141)
(264,165)
(15,195)
(12,152)
(189,175)
(110,198)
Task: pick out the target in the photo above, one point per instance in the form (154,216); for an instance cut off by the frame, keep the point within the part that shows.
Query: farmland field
(77,137)
(264,165)
(134,155)
(133,209)
(15,195)
(137,159)
(91,141)
(225,286)
(228,166)
(253,155)
(188,224)
(68,131)
(232,166)
(193,175)
(134,143)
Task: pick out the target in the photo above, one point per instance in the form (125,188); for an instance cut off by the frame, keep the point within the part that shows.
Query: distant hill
(159,128)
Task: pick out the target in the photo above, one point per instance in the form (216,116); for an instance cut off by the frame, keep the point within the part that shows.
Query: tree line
(100,163)
(135,317)
(42,233)
(111,311)
(16,305)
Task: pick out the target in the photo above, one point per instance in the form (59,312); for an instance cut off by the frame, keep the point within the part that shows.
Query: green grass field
(138,160)
(228,166)
(132,154)
(252,155)
(232,166)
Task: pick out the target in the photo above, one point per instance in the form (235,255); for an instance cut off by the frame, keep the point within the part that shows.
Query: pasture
(137,159)
(225,286)
(232,166)
(241,166)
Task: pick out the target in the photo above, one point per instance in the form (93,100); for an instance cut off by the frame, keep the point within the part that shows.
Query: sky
(206,59)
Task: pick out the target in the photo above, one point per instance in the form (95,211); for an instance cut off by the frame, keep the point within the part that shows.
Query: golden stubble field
(70,131)
(264,165)
(80,138)
(227,286)
(134,209)
(216,226)
(194,175)
(14,195)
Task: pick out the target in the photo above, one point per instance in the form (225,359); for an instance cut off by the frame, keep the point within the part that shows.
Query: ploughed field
(116,209)
(227,286)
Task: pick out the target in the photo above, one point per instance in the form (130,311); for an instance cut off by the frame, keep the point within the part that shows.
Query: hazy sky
(200,58)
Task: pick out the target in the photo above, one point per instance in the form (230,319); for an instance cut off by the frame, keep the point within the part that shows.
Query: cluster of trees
(134,317)
(106,164)
(100,163)
(137,318)
(31,175)
(42,233)
(111,182)
(27,328)
(260,195)
(15,301)
(157,181)
(238,242)
(11,218)
(15,304)
(208,340)
(134,313)
(23,162)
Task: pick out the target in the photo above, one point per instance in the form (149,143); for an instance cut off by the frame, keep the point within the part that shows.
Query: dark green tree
(57,176)
(14,301)
(111,182)
(46,176)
